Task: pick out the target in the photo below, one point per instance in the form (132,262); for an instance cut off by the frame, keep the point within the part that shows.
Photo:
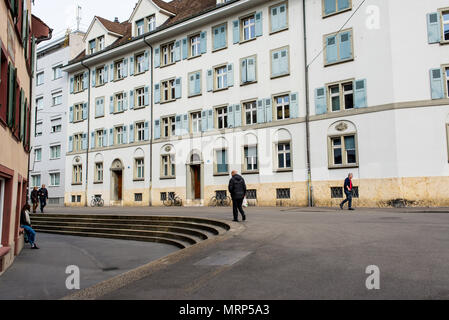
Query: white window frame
(283,106)
(252,111)
(52,157)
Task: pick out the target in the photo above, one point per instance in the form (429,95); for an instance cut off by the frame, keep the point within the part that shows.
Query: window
(100,138)
(283,193)
(57,73)
(168,126)
(221,77)
(250,159)
(55,179)
(194,83)
(119,102)
(219,37)
(343,151)
(195,119)
(341,96)
(282,107)
(100,74)
(77,142)
(331,7)
(55,152)
(250,112)
(119,70)
(38,155)
(280,62)
(168,166)
(221,161)
(140,131)
(140,27)
(36,180)
(151,23)
(57,99)
(140,97)
(78,112)
(56,125)
(168,54)
(284,155)
(278,17)
(99,107)
(39,128)
(100,43)
(248,28)
(338,47)
(445,25)
(40,78)
(78,83)
(138,197)
(139,169)
(119,135)
(447,81)
(222,117)
(99,172)
(251,194)
(168,90)
(77,174)
(140,63)
(248,70)
(195,45)
(92,46)
(336,192)
(40,103)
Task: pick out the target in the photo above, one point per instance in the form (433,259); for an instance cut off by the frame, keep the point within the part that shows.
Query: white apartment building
(49,114)
(196,89)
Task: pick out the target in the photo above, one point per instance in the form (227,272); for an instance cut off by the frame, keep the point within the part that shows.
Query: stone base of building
(8,254)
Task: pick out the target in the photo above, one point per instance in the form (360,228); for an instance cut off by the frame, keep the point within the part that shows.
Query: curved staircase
(181,232)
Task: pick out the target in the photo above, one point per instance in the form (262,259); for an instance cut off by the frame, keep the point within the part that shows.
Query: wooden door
(119,185)
(197,181)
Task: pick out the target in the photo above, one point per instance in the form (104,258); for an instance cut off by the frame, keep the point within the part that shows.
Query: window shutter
(320,101)
(343,4)
(275,63)
(237,115)
(222,37)
(284,62)
(268,110)
(70,144)
(106,78)
(210,119)
(294,105)
(185,124)
(231,116)
(97,108)
(125,101)
(433,27)
(92,140)
(192,83)
(184,48)
(275,21)
(203,43)
(282,17)
(111,137)
(131,99)
(230,75)
(157,93)
(146,131)
(72,84)
(157,57)
(236,31)
(178,125)
(125,135)
(157,129)
(210,80)
(345,46)
(125,67)
(131,133)
(131,66)
(204,121)
(146,96)
(71,114)
(147,61)
(437,83)
(84,111)
(251,69)
(360,100)
(259,24)
(111,75)
(198,83)
(86,80)
(217,38)
(243,71)
(93,78)
(22,115)
(331,49)
(178,50)
(102,107)
(330,6)
(111,104)
(84,141)
(260,112)
(105,138)
(178,88)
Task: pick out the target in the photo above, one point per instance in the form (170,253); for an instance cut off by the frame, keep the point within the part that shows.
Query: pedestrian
(25,224)
(35,198)
(43,196)
(237,189)
(348,192)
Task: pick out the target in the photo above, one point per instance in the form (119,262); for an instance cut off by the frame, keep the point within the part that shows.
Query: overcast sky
(61,14)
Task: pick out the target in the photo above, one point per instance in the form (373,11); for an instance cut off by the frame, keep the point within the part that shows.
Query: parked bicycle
(172,200)
(96,201)
(221,201)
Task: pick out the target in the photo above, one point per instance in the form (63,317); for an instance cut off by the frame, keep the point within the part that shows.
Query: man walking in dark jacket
(237,189)
(43,196)
(348,192)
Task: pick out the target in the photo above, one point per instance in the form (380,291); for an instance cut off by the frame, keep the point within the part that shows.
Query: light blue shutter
(178,50)
(284,62)
(210,119)
(105,138)
(84,141)
(184,49)
(157,129)
(251,69)
(330,6)
(146,98)
(237,115)
(71,114)
(157,93)
(146,63)
(222,37)
(125,135)
(282,17)
(106,77)
(111,104)
(360,100)
(111,137)
(343,4)
(131,133)
(86,80)
(259,24)
(210,80)
(260,112)
(217,38)
(125,101)
(185,124)
(93,78)
(111,75)
(345,46)
(178,125)
(204,121)
(437,83)
(102,107)
(70,144)
(294,105)
(72,83)
(125,67)
(192,90)
(320,101)
(331,49)
(157,57)
(275,21)
(243,71)
(84,111)
(236,31)
(268,110)
(203,43)
(131,99)
(230,75)
(275,63)
(198,82)
(231,116)
(146,133)
(178,88)
(433,27)
(131,66)
(92,140)
(97,108)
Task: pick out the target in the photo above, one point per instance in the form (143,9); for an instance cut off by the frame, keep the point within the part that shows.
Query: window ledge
(217,174)
(194,57)
(222,89)
(77,121)
(98,117)
(284,170)
(195,95)
(167,65)
(116,80)
(280,76)
(219,49)
(98,182)
(139,107)
(138,73)
(335,13)
(338,62)
(444,42)
(138,180)
(251,172)
(168,101)
(346,166)
(167,178)
(100,85)
(117,112)
(246,41)
(247,83)
(77,184)
(278,31)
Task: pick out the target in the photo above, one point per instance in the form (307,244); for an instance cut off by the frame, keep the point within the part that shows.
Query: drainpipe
(306,73)
(88,132)
(150,62)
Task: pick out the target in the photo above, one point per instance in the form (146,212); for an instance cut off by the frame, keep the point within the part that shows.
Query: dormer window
(140,27)
(92,46)
(100,43)
(151,23)
(145,25)
(96,45)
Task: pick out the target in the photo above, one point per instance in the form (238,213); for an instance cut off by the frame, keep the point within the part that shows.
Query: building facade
(48,124)
(292,95)
(19,31)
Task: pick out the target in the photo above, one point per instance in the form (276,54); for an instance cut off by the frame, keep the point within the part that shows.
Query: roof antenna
(78,17)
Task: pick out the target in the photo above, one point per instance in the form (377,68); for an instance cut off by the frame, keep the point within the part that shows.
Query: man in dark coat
(43,196)
(35,198)
(237,189)
(348,192)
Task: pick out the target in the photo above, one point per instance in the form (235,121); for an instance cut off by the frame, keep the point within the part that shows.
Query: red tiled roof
(169,6)
(116,27)
(40,30)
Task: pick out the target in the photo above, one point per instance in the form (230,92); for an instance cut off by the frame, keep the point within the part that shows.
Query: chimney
(116,20)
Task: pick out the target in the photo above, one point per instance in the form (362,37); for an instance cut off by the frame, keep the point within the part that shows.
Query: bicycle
(172,200)
(96,201)
(220,201)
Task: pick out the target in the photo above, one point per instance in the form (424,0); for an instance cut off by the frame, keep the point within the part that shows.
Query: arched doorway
(116,182)
(195,178)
